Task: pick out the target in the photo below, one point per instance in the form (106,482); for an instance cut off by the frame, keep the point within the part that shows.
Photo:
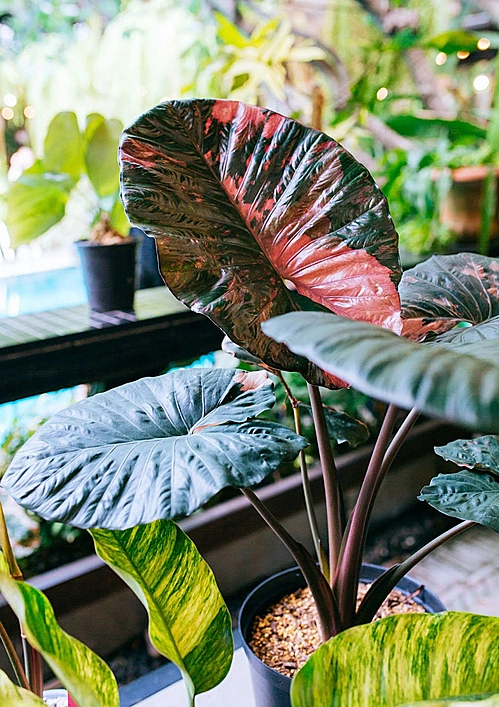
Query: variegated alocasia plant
(276,233)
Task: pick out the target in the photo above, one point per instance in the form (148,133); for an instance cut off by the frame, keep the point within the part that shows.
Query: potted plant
(254,205)
(86,160)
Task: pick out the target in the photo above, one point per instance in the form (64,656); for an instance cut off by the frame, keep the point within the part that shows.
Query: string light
(7,113)
(483,43)
(29,112)
(10,100)
(382,93)
(481,82)
(463,55)
(441,58)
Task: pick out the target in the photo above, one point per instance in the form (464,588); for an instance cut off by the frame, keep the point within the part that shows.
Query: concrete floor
(463,573)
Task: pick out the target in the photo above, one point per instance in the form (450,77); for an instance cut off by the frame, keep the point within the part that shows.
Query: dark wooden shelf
(63,347)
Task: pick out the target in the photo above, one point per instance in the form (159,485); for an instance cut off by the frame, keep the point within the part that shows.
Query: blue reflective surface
(37,292)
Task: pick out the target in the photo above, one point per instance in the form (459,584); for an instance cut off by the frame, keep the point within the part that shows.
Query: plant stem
(32,659)
(332,489)
(348,575)
(307,491)
(14,570)
(13,657)
(382,587)
(32,666)
(327,607)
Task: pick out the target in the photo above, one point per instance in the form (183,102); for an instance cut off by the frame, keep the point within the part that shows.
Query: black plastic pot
(271,689)
(109,274)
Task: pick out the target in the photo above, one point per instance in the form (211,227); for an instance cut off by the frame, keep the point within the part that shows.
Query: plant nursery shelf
(64,347)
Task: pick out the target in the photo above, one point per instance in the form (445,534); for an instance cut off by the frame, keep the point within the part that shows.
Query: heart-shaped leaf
(401,659)
(244,201)
(155,448)
(64,146)
(461,385)
(481,453)
(188,620)
(13,696)
(82,672)
(467,495)
(448,290)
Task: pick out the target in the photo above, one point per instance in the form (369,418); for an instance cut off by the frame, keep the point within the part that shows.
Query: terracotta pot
(461,209)
(270,688)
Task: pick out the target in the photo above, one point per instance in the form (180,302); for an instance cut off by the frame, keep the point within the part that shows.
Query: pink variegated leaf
(249,209)
(450,290)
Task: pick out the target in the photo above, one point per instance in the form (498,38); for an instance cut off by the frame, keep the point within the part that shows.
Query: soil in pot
(286,634)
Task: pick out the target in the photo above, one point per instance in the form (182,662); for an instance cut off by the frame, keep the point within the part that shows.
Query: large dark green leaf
(461,385)
(468,495)
(402,659)
(188,620)
(481,453)
(423,128)
(101,151)
(13,696)
(450,289)
(82,672)
(156,448)
(242,201)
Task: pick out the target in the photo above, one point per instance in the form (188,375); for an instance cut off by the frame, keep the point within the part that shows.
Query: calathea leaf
(460,385)
(402,659)
(156,448)
(467,495)
(82,672)
(481,453)
(188,620)
(447,290)
(247,204)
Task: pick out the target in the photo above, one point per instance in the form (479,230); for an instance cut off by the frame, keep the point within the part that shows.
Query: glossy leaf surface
(188,620)
(460,385)
(401,659)
(481,453)
(155,448)
(447,290)
(243,200)
(467,495)
(82,672)
(13,696)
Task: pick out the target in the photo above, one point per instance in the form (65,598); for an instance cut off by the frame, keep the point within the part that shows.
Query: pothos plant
(258,217)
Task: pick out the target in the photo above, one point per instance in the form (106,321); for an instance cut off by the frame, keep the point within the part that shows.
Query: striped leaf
(242,201)
(467,495)
(82,672)
(452,289)
(460,385)
(402,659)
(13,696)
(156,448)
(492,701)
(188,620)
